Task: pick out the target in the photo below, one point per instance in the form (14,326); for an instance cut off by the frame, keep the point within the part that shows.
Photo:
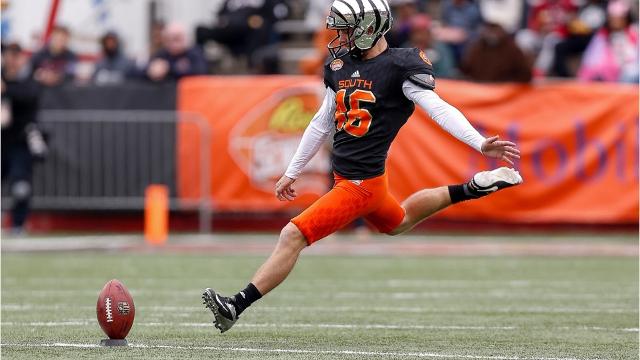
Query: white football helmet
(365,21)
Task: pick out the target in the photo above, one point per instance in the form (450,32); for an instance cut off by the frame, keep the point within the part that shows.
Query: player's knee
(292,238)
(402,227)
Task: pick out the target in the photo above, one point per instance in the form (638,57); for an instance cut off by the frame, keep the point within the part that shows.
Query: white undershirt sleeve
(447,116)
(314,136)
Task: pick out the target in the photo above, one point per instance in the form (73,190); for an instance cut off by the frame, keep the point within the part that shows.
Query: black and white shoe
(223,309)
(487,182)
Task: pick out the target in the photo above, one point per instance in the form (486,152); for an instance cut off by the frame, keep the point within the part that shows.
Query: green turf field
(330,308)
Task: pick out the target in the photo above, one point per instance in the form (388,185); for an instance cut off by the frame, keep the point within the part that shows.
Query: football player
(371,90)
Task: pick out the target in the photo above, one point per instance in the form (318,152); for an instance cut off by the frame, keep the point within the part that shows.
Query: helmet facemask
(337,47)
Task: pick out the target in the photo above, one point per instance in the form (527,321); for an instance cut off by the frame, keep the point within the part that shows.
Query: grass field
(331,307)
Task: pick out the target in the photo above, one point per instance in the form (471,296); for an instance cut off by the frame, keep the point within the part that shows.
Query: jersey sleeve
(314,135)
(328,79)
(447,116)
(417,68)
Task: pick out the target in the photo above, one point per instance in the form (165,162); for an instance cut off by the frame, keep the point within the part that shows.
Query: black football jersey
(371,107)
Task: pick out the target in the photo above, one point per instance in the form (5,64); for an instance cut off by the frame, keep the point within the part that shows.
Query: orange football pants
(347,201)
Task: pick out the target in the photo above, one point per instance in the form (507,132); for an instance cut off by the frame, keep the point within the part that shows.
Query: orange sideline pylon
(156,214)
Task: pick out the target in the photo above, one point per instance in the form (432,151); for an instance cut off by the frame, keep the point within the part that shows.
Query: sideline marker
(156,214)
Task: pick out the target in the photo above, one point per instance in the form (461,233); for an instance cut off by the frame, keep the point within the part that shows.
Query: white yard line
(318,326)
(270,325)
(379,294)
(395,309)
(49,323)
(454,283)
(302,351)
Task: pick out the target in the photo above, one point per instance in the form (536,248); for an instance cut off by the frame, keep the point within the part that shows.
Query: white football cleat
(487,182)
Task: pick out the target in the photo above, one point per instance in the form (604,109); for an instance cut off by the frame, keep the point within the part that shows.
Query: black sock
(462,192)
(245,298)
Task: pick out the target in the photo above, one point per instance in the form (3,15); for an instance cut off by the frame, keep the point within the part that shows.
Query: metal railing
(104,160)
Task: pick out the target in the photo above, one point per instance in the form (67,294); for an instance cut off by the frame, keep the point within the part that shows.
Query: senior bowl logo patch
(336,64)
(424,58)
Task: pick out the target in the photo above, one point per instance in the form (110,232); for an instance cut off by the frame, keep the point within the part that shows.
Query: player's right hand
(504,150)
(284,191)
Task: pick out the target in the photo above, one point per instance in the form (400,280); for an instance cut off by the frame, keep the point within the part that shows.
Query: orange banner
(579,147)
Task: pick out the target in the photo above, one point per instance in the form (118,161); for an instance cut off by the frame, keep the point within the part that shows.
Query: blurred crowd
(56,63)
(517,40)
(478,40)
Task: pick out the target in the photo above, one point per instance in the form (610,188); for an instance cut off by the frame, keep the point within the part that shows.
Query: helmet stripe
(379,4)
(378,19)
(353,5)
(339,12)
(389,22)
(349,6)
(361,8)
(386,5)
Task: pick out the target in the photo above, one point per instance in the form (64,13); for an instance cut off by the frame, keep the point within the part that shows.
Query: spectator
(176,59)
(55,63)
(612,54)
(403,11)
(580,30)
(155,36)
(495,57)
(21,140)
(114,67)
(439,53)
(462,16)
(546,27)
(247,28)
(507,13)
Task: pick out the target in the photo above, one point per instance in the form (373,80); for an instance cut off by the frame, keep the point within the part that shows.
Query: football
(115,310)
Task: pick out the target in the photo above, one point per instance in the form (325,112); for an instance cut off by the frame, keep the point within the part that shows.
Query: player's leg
(282,260)
(421,205)
(340,206)
(427,202)
(226,310)
(17,170)
(392,218)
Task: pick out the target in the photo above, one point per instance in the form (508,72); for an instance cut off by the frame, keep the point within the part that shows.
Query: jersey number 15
(355,121)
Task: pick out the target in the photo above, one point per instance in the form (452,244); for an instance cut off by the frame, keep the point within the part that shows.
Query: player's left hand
(284,189)
(497,149)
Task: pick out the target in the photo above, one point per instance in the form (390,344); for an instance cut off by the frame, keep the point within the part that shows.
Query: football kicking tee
(371,90)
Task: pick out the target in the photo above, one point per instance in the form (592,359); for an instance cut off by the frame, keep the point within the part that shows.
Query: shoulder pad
(426,81)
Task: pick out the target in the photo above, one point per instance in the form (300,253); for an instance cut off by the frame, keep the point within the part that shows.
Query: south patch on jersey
(371,107)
